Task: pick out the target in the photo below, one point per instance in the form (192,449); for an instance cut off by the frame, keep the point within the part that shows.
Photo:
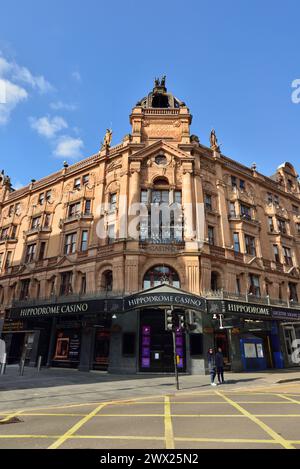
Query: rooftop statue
(214,141)
(107,139)
(158,82)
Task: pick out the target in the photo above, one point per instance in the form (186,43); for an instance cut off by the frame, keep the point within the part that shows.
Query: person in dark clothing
(211,358)
(219,359)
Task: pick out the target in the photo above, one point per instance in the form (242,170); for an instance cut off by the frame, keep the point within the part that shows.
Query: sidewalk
(64,386)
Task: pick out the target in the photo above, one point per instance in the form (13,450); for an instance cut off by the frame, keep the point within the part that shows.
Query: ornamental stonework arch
(173,264)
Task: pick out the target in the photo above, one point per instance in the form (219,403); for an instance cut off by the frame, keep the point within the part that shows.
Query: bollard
(22,366)
(39,362)
(3,365)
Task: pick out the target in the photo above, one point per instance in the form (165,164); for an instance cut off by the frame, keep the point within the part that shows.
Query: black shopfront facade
(121,335)
(72,334)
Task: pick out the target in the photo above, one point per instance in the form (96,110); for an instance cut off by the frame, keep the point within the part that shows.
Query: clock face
(161,160)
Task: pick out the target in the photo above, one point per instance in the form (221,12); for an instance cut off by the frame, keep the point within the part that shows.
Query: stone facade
(241,231)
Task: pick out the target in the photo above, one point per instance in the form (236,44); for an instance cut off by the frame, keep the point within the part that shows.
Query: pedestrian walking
(219,359)
(211,358)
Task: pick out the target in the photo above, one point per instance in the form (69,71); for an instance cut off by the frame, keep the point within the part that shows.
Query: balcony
(75,218)
(248,298)
(38,229)
(243,218)
(8,240)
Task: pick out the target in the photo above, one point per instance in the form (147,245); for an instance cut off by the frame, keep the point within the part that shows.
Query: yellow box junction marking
(277,438)
(76,427)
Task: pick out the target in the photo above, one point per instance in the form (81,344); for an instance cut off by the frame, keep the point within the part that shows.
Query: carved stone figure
(107,139)
(214,141)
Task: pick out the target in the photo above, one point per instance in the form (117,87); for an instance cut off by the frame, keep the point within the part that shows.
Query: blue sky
(76,67)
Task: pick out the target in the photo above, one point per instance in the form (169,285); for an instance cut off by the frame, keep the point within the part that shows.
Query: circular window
(161,160)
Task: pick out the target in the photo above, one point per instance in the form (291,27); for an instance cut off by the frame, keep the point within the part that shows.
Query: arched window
(161,274)
(107,281)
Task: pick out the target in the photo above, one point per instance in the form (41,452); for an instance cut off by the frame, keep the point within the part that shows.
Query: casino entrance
(156,344)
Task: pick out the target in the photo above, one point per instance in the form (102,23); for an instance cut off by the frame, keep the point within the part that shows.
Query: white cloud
(68,147)
(14,83)
(76,76)
(17,73)
(48,127)
(13,94)
(59,105)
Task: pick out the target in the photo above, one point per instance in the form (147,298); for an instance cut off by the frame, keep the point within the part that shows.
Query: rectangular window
(287,253)
(177,197)
(271,224)
(211,235)
(298,228)
(84,241)
(24,293)
(242,184)
(77,183)
(41,198)
(5,233)
(18,208)
(30,253)
(8,260)
(160,196)
(276,200)
(42,251)
(236,242)
(74,209)
(232,211)
(70,243)
(85,179)
(87,207)
(11,211)
(293,292)
(250,245)
(47,220)
(269,198)
(276,253)
(245,211)
(281,225)
(36,221)
(254,285)
(295,209)
(233,181)
(208,202)
(66,283)
(48,195)
(112,202)
(13,232)
(111,233)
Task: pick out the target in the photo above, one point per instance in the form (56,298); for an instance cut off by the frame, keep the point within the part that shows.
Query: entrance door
(156,345)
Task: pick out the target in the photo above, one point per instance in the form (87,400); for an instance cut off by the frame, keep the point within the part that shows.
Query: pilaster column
(134,198)
(187,202)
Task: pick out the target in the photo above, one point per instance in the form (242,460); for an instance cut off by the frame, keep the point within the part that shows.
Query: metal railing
(248,298)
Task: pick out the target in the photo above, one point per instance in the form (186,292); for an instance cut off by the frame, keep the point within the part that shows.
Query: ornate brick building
(86,276)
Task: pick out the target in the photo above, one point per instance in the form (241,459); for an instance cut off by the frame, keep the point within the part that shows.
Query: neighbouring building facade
(91,256)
